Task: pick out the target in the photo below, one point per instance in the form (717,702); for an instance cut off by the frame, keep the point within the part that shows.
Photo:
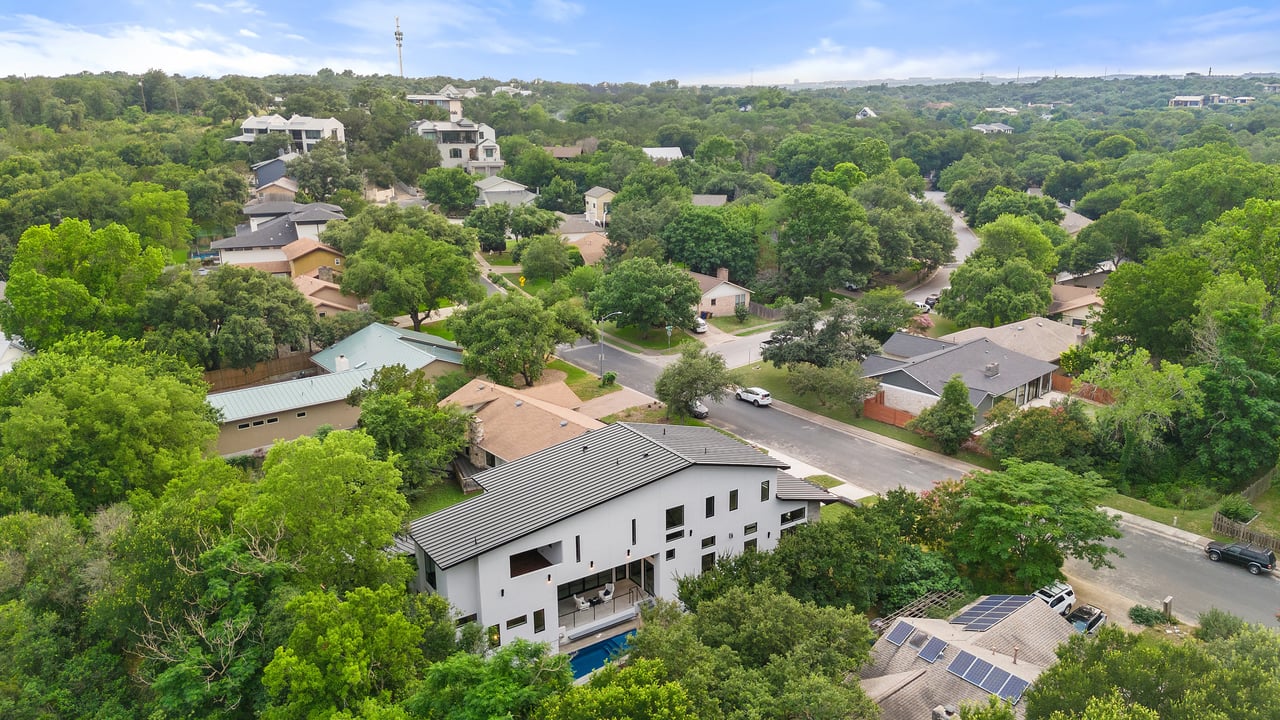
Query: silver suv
(1058,596)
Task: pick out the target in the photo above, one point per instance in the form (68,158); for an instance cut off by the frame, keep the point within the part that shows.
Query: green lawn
(436,498)
(832,512)
(583,384)
(730,324)
(775,381)
(533,287)
(941,326)
(1196,521)
(657,339)
(758,329)
(497,259)
(178,257)
(438,328)
(825,481)
(1269,505)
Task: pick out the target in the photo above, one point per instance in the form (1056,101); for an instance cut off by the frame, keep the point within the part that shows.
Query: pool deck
(611,631)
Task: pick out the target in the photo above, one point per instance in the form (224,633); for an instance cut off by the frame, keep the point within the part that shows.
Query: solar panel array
(989,611)
(932,649)
(900,632)
(979,672)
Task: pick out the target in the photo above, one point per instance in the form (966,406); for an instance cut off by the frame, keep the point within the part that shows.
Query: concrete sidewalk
(1156,528)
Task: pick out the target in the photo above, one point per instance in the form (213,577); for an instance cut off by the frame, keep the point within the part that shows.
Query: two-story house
(304,131)
(598,201)
(568,541)
(463,144)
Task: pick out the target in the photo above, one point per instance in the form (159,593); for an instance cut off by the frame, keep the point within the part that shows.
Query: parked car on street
(931,300)
(699,325)
(1087,619)
(922,308)
(755,395)
(1258,560)
(1059,596)
(699,410)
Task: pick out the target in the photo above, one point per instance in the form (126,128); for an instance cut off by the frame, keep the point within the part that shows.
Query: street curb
(853,431)
(1156,528)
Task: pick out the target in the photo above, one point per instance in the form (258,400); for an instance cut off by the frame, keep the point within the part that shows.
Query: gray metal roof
(289,395)
(970,361)
(906,345)
(379,345)
(790,487)
(315,213)
(546,487)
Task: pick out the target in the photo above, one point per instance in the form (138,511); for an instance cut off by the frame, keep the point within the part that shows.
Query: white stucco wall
(240,257)
(484,585)
(907,400)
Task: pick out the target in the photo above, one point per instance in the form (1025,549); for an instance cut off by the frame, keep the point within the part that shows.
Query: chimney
(325,273)
(991,370)
(475,436)
(722,274)
(341,363)
(946,712)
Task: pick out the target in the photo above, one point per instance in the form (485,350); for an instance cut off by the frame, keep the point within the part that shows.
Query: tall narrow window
(633,531)
(733,500)
(711,506)
(764,491)
(577,548)
(539,620)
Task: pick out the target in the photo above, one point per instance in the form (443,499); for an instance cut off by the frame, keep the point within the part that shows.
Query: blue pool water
(594,656)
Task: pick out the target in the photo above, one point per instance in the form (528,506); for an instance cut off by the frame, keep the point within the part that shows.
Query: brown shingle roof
(591,246)
(302,246)
(516,424)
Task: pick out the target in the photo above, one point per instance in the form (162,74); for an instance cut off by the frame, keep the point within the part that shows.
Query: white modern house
(570,540)
(451,105)
(304,131)
(469,145)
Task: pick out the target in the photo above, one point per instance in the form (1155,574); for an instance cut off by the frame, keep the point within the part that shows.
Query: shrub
(741,312)
(610,377)
(1218,624)
(1237,508)
(1147,616)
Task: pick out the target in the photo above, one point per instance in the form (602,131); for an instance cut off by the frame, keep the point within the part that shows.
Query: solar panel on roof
(978,671)
(982,625)
(961,663)
(900,633)
(995,680)
(1013,689)
(932,649)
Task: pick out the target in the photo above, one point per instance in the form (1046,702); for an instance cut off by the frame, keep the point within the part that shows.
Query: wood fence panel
(1240,531)
(232,378)
(874,409)
(764,311)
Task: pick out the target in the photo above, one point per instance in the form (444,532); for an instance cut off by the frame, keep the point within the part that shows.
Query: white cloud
(558,10)
(829,61)
(35,46)
(243,6)
(211,8)
(246,32)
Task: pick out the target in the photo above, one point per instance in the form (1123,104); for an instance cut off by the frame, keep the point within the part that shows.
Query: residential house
(279,190)
(450,91)
(451,105)
(912,383)
(1035,337)
(575,227)
(925,667)
(564,152)
(510,90)
(255,418)
(992,128)
(1002,110)
(1187,101)
(272,226)
(11,351)
(379,345)
(591,246)
(508,424)
(271,170)
(1091,278)
(463,144)
(304,132)
(571,540)
(719,296)
(866,113)
(1270,87)
(325,295)
(663,155)
(1074,306)
(306,256)
(709,200)
(598,200)
(496,190)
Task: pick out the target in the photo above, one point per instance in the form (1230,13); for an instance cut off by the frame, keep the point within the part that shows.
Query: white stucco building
(463,144)
(628,508)
(304,131)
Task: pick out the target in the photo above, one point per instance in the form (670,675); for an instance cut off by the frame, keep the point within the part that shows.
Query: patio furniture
(583,604)
(606,593)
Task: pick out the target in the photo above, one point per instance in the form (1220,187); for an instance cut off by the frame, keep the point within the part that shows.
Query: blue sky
(694,41)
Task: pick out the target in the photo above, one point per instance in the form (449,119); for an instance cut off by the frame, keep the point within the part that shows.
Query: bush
(610,377)
(741,312)
(1181,496)
(1147,616)
(1237,508)
(1218,624)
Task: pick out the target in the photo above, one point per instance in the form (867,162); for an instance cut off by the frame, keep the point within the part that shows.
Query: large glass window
(675,517)
(708,561)
(793,515)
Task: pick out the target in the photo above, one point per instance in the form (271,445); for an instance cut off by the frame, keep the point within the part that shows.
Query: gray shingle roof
(289,395)
(906,345)
(548,486)
(970,361)
(790,487)
(597,191)
(274,233)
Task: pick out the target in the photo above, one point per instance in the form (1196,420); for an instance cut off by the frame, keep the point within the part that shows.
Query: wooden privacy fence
(231,378)
(764,311)
(1240,531)
(1261,485)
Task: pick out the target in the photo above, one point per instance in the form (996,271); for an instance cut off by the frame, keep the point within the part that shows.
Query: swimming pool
(594,656)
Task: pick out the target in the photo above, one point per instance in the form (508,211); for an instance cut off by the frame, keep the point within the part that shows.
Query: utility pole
(400,46)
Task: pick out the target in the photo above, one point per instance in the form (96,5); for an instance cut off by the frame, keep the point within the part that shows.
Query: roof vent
(584,448)
(519,403)
(1019,328)
(563,423)
(481,386)
(341,363)
(991,370)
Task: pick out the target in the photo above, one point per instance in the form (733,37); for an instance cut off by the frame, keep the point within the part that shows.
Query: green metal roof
(262,400)
(380,345)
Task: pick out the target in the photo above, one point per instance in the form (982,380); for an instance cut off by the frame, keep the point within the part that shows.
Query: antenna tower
(400,46)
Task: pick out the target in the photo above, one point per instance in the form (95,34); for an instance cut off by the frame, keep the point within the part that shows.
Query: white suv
(755,395)
(1059,596)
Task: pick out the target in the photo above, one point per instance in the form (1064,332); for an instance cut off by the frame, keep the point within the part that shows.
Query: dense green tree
(840,385)
(824,240)
(844,176)
(545,257)
(529,220)
(1246,240)
(1150,305)
(698,374)
(882,312)
(1014,528)
(349,235)
(638,691)
(324,171)
(512,334)
(706,239)
(1186,199)
(647,294)
(806,335)
(1061,434)
(950,420)
(1236,431)
(491,224)
(342,652)
(561,195)
(988,293)
(72,279)
(1147,399)
(1097,203)
(1004,201)
(159,216)
(409,272)
(512,682)
(1116,236)
(452,189)
(411,156)
(1010,236)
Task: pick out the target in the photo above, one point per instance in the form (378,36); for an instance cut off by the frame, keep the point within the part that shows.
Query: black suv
(1258,560)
